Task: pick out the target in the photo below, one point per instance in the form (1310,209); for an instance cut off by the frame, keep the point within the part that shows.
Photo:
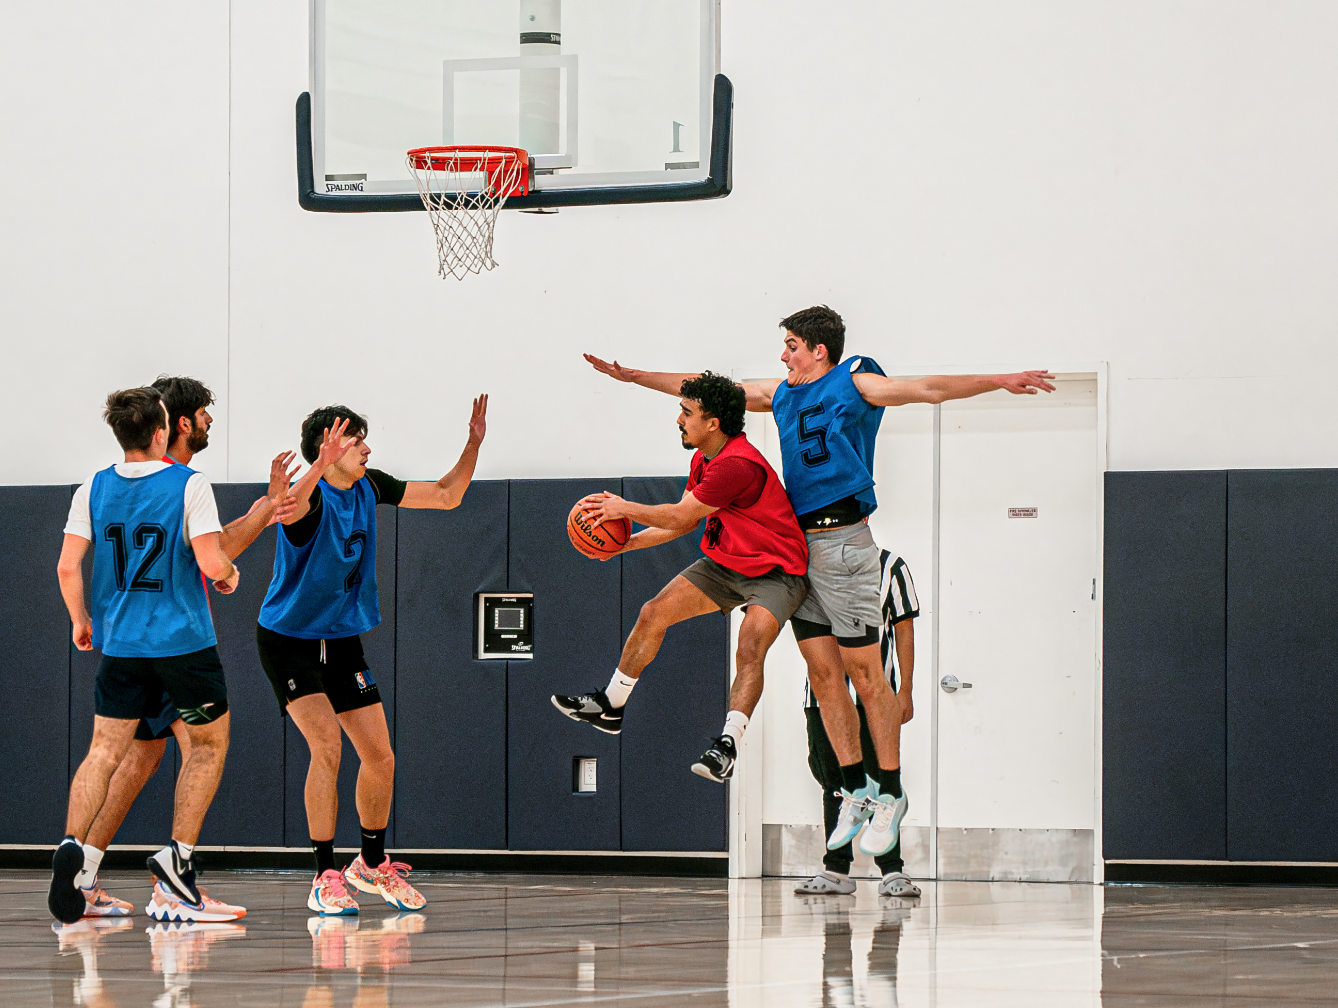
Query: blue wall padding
(1282,665)
(36,697)
(577,640)
(1164,678)
(678,705)
(451,748)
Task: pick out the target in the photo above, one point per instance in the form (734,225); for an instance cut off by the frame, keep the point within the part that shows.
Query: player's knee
(381,759)
(653,613)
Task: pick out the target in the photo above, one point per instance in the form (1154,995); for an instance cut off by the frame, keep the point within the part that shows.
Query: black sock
(324,851)
(373,846)
(889,781)
(852,777)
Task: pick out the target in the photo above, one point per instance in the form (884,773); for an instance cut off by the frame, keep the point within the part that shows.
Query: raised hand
(280,476)
(333,446)
(614,370)
(1026,382)
(478,420)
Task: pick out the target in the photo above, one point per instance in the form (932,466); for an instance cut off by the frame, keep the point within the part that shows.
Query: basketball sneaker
(592,708)
(884,829)
(168,907)
(854,811)
(176,872)
(65,902)
(330,896)
(386,879)
(99,904)
(717,763)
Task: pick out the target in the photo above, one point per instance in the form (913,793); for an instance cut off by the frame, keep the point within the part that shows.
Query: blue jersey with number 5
(146,598)
(827,435)
(327,587)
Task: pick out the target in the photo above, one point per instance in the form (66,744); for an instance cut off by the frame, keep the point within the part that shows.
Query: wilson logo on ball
(597,541)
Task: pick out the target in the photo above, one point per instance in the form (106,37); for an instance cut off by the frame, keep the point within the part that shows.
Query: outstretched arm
(669,382)
(449,491)
(70,572)
(276,505)
(878,390)
(333,446)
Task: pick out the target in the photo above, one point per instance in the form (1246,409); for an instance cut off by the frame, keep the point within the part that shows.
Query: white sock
(619,689)
(89,876)
(735,723)
(185,850)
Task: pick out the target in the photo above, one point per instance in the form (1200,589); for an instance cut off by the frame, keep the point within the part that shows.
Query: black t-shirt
(387,488)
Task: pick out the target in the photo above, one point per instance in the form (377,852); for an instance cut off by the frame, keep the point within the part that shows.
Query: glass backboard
(609,97)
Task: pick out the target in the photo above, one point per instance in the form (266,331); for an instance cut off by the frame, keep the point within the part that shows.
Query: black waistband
(846,511)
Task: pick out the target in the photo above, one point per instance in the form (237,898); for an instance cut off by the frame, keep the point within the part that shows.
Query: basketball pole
(540,90)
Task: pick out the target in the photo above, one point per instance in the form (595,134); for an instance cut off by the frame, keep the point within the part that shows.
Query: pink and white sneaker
(330,897)
(99,904)
(167,906)
(386,879)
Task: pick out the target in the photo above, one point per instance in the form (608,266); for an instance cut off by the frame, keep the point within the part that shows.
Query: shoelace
(882,814)
(397,870)
(335,883)
(851,801)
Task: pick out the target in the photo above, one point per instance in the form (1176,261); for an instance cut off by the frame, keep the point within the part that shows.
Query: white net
(463,191)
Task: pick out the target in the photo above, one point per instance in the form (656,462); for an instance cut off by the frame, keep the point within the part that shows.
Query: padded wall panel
(248,808)
(1164,668)
(379,648)
(577,640)
(451,738)
(678,705)
(34,705)
(1282,664)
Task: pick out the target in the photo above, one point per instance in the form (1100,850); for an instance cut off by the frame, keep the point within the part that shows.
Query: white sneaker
(854,811)
(884,829)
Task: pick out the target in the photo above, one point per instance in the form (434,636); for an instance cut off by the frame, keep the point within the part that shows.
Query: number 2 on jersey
(148,536)
(355,575)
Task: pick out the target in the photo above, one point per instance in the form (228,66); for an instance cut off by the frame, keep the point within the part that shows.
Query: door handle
(951,684)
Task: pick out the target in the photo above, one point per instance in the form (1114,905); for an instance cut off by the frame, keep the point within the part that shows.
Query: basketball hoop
(463,188)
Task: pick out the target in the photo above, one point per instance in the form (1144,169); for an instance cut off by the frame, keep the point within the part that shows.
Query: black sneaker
(178,874)
(65,902)
(592,709)
(717,763)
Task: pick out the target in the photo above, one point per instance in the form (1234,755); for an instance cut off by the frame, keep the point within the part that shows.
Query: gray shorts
(844,571)
(776,592)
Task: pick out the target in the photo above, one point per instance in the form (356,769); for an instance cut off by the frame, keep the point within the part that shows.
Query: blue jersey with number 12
(147,599)
(327,588)
(827,435)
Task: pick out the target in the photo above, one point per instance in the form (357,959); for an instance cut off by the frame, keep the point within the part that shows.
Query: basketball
(597,542)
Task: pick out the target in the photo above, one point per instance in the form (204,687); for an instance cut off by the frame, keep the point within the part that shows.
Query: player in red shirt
(756,557)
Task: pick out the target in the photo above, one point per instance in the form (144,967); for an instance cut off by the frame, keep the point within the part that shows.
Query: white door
(1017,619)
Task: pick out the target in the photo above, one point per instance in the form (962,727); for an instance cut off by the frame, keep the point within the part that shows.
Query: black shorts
(297,667)
(151,729)
(129,689)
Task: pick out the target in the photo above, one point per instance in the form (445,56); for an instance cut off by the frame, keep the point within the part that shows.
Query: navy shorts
(297,667)
(129,689)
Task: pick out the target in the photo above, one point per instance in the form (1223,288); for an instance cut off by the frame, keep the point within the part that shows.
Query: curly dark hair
(321,420)
(134,415)
(819,324)
(720,397)
(182,397)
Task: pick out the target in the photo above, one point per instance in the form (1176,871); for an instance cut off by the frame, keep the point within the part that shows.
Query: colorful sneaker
(854,811)
(591,708)
(386,879)
(99,904)
(884,830)
(717,763)
(330,896)
(168,907)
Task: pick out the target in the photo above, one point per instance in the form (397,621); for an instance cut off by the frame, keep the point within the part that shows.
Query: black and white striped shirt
(897,593)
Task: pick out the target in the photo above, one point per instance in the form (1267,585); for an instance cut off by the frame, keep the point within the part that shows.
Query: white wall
(1149,183)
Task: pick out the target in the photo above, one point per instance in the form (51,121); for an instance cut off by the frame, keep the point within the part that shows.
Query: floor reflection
(531,941)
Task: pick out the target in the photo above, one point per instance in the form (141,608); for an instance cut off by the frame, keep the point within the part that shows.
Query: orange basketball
(597,542)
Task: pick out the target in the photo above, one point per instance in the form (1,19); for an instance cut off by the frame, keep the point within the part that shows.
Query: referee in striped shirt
(900,607)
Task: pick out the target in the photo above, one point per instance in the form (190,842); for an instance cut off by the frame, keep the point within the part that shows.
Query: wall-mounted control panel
(505,625)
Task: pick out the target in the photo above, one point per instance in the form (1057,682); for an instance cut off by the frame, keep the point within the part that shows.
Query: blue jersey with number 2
(327,588)
(827,435)
(146,599)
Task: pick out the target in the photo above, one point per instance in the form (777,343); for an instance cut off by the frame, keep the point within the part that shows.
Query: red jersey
(755,538)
